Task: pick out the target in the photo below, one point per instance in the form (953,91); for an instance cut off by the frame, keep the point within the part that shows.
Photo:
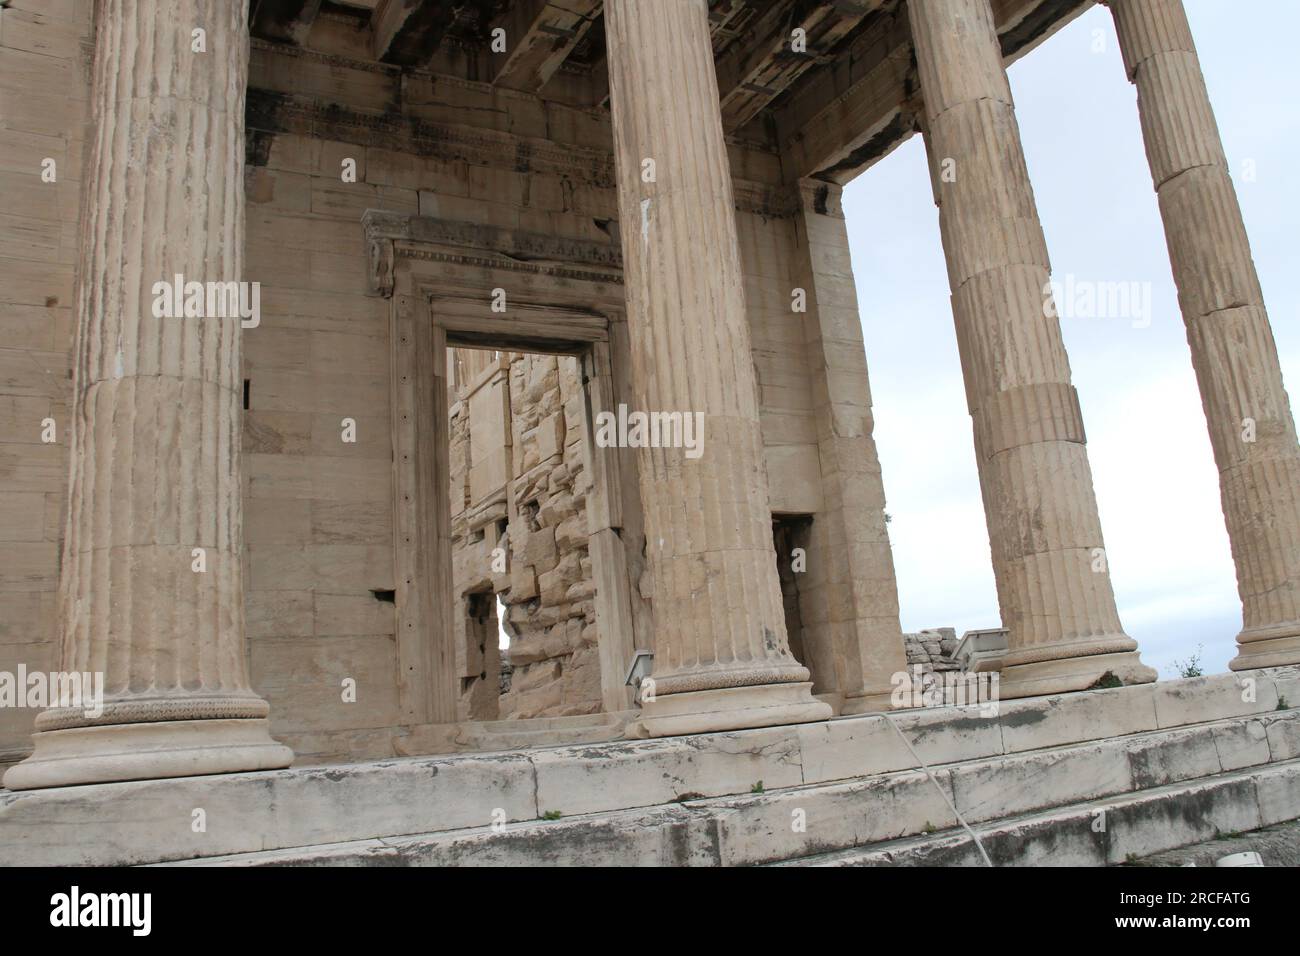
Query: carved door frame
(440,278)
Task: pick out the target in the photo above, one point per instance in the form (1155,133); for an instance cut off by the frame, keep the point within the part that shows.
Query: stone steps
(687,799)
(1138,777)
(1135,825)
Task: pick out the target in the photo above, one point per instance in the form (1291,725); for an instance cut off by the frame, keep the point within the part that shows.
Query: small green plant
(1130,857)
(757,788)
(1192,666)
(1282,704)
(1228,835)
(552,815)
(1105,681)
(929,827)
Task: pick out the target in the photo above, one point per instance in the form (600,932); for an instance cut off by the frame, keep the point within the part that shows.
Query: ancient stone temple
(479,385)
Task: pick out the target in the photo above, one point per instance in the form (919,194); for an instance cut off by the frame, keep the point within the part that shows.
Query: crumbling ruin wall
(552,666)
(932,648)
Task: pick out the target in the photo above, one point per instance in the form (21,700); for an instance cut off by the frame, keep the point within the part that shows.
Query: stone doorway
(446,586)
(456,286)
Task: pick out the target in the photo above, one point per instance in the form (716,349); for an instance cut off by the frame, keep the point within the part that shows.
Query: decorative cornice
(391,236)
(515,243)
(412,251)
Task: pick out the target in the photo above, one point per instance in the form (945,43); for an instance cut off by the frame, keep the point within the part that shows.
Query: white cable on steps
(930,773)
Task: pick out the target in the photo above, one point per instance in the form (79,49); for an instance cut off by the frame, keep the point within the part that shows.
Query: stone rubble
(552,665)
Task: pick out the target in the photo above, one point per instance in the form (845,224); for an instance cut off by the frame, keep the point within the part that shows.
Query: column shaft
(721,654)
(156,416)
(1045,536)
(1249,415)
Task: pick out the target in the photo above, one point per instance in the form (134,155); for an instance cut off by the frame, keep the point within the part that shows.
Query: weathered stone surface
(1219,695)
(654,772)
(798,823)
(1134,826)
(1024,783)
(729,798)
(1045,721)
(268,810)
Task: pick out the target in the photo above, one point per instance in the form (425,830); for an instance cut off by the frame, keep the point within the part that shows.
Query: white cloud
(1156,483)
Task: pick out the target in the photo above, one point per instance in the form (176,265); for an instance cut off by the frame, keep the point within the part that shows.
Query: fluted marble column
(1048,556)
(721,655)
(1252,430)
(156,417)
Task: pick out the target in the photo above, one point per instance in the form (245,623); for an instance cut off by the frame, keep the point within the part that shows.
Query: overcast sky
(1156,482)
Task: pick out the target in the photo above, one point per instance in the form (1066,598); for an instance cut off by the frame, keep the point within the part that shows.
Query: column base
(1070,674)
(728,708)
(1273,646)
(111,753)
